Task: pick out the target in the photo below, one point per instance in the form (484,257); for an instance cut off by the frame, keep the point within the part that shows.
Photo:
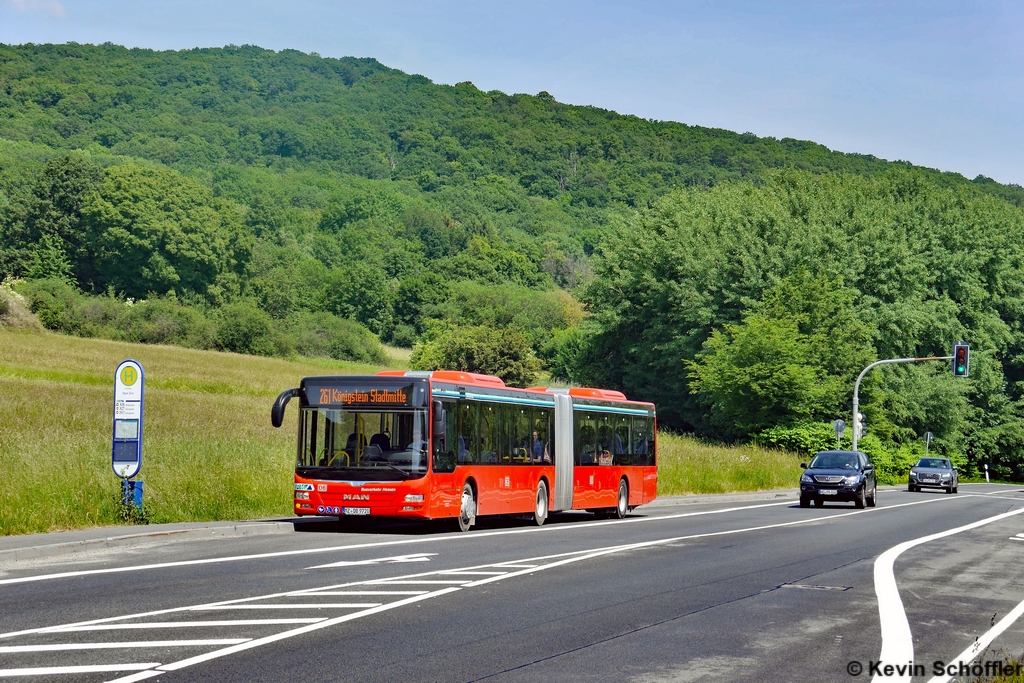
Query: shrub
(55,302)
(326,335)
(244,328)
(806,438)
(167,321)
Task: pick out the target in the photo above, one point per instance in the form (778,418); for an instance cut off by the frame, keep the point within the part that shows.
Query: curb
(227,531)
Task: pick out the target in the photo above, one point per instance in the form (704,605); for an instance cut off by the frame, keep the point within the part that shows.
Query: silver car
(936,473)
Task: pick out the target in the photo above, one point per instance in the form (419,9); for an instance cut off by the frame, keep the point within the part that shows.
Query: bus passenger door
(444,492)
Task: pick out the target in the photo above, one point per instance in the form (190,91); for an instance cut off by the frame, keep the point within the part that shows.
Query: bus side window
(488,433)
(639,444)
(505,416)
(620,440)
(444,456)
(522,435)
(651,455)
(541,447)
(466,445)
(586,439)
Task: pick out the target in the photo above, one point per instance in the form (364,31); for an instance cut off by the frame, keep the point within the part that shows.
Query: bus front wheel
(467,511)
(540,510)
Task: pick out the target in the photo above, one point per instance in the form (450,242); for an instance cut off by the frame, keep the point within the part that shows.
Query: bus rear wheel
(467,509)
(622,505)
(540,510)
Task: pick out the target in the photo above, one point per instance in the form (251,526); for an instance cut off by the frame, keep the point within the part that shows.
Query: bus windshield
(365,444)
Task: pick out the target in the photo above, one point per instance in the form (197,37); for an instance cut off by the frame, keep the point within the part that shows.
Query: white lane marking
(455,582)
(316,593)
(416,557)
(453,572)
(897,641)
(381,544)
(187,624)
(502,565)
(97,668)
(174,666)
(129,645)
(978,646)
(325,605)
(138,677)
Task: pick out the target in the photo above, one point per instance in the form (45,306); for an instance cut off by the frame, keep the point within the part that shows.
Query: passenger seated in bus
(537,448)
(381,440)
(588,446)
(350,443)
(617,446)
(463,454)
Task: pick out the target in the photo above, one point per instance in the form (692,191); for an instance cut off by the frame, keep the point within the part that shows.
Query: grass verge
(688,465)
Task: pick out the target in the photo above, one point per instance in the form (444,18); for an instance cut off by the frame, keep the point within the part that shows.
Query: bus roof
(490,381)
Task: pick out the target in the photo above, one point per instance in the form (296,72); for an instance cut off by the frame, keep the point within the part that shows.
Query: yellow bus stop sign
(129,375)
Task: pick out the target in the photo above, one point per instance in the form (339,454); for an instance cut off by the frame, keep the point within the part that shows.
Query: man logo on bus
(129,376)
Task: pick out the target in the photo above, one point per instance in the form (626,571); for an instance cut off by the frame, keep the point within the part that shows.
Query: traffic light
(860,426)
(961,359)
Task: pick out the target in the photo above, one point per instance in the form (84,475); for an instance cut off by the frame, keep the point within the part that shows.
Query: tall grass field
(210,452)
(688,465)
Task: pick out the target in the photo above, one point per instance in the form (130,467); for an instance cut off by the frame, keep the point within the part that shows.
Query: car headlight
(806,479)
(852,480)
(946,476)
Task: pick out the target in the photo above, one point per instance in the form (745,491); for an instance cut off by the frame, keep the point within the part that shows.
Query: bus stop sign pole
(126,452)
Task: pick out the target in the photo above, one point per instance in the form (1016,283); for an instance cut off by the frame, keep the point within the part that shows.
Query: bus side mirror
(440,419)
(277,412)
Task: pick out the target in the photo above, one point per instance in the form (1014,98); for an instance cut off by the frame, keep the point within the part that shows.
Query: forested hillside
(279,203)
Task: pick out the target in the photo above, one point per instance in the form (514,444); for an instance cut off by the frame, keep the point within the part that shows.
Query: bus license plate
(355,511)
(821,492)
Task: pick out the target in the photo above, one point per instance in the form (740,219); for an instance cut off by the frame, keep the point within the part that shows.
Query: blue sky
(938,83)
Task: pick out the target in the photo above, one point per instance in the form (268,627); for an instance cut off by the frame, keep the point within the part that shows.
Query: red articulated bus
(457,445)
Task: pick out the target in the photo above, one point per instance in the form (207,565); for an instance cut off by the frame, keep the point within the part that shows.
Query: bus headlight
(302,495)
(414,498)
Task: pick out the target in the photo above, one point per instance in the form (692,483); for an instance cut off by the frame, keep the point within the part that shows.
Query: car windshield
(935,463)
(835,461)
(364,444)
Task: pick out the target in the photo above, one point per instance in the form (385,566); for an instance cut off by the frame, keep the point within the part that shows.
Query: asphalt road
(718,591)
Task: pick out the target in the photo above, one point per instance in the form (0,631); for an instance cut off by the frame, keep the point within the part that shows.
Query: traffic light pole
(856,387)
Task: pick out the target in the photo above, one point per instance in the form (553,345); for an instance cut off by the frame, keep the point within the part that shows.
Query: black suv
(838,475)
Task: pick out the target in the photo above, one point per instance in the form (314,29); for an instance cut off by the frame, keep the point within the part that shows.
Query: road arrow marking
(397,559)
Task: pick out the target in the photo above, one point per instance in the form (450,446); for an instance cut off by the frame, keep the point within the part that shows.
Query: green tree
(154,230)
(757,375)
(505,353)
(362,292)
(49,229)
